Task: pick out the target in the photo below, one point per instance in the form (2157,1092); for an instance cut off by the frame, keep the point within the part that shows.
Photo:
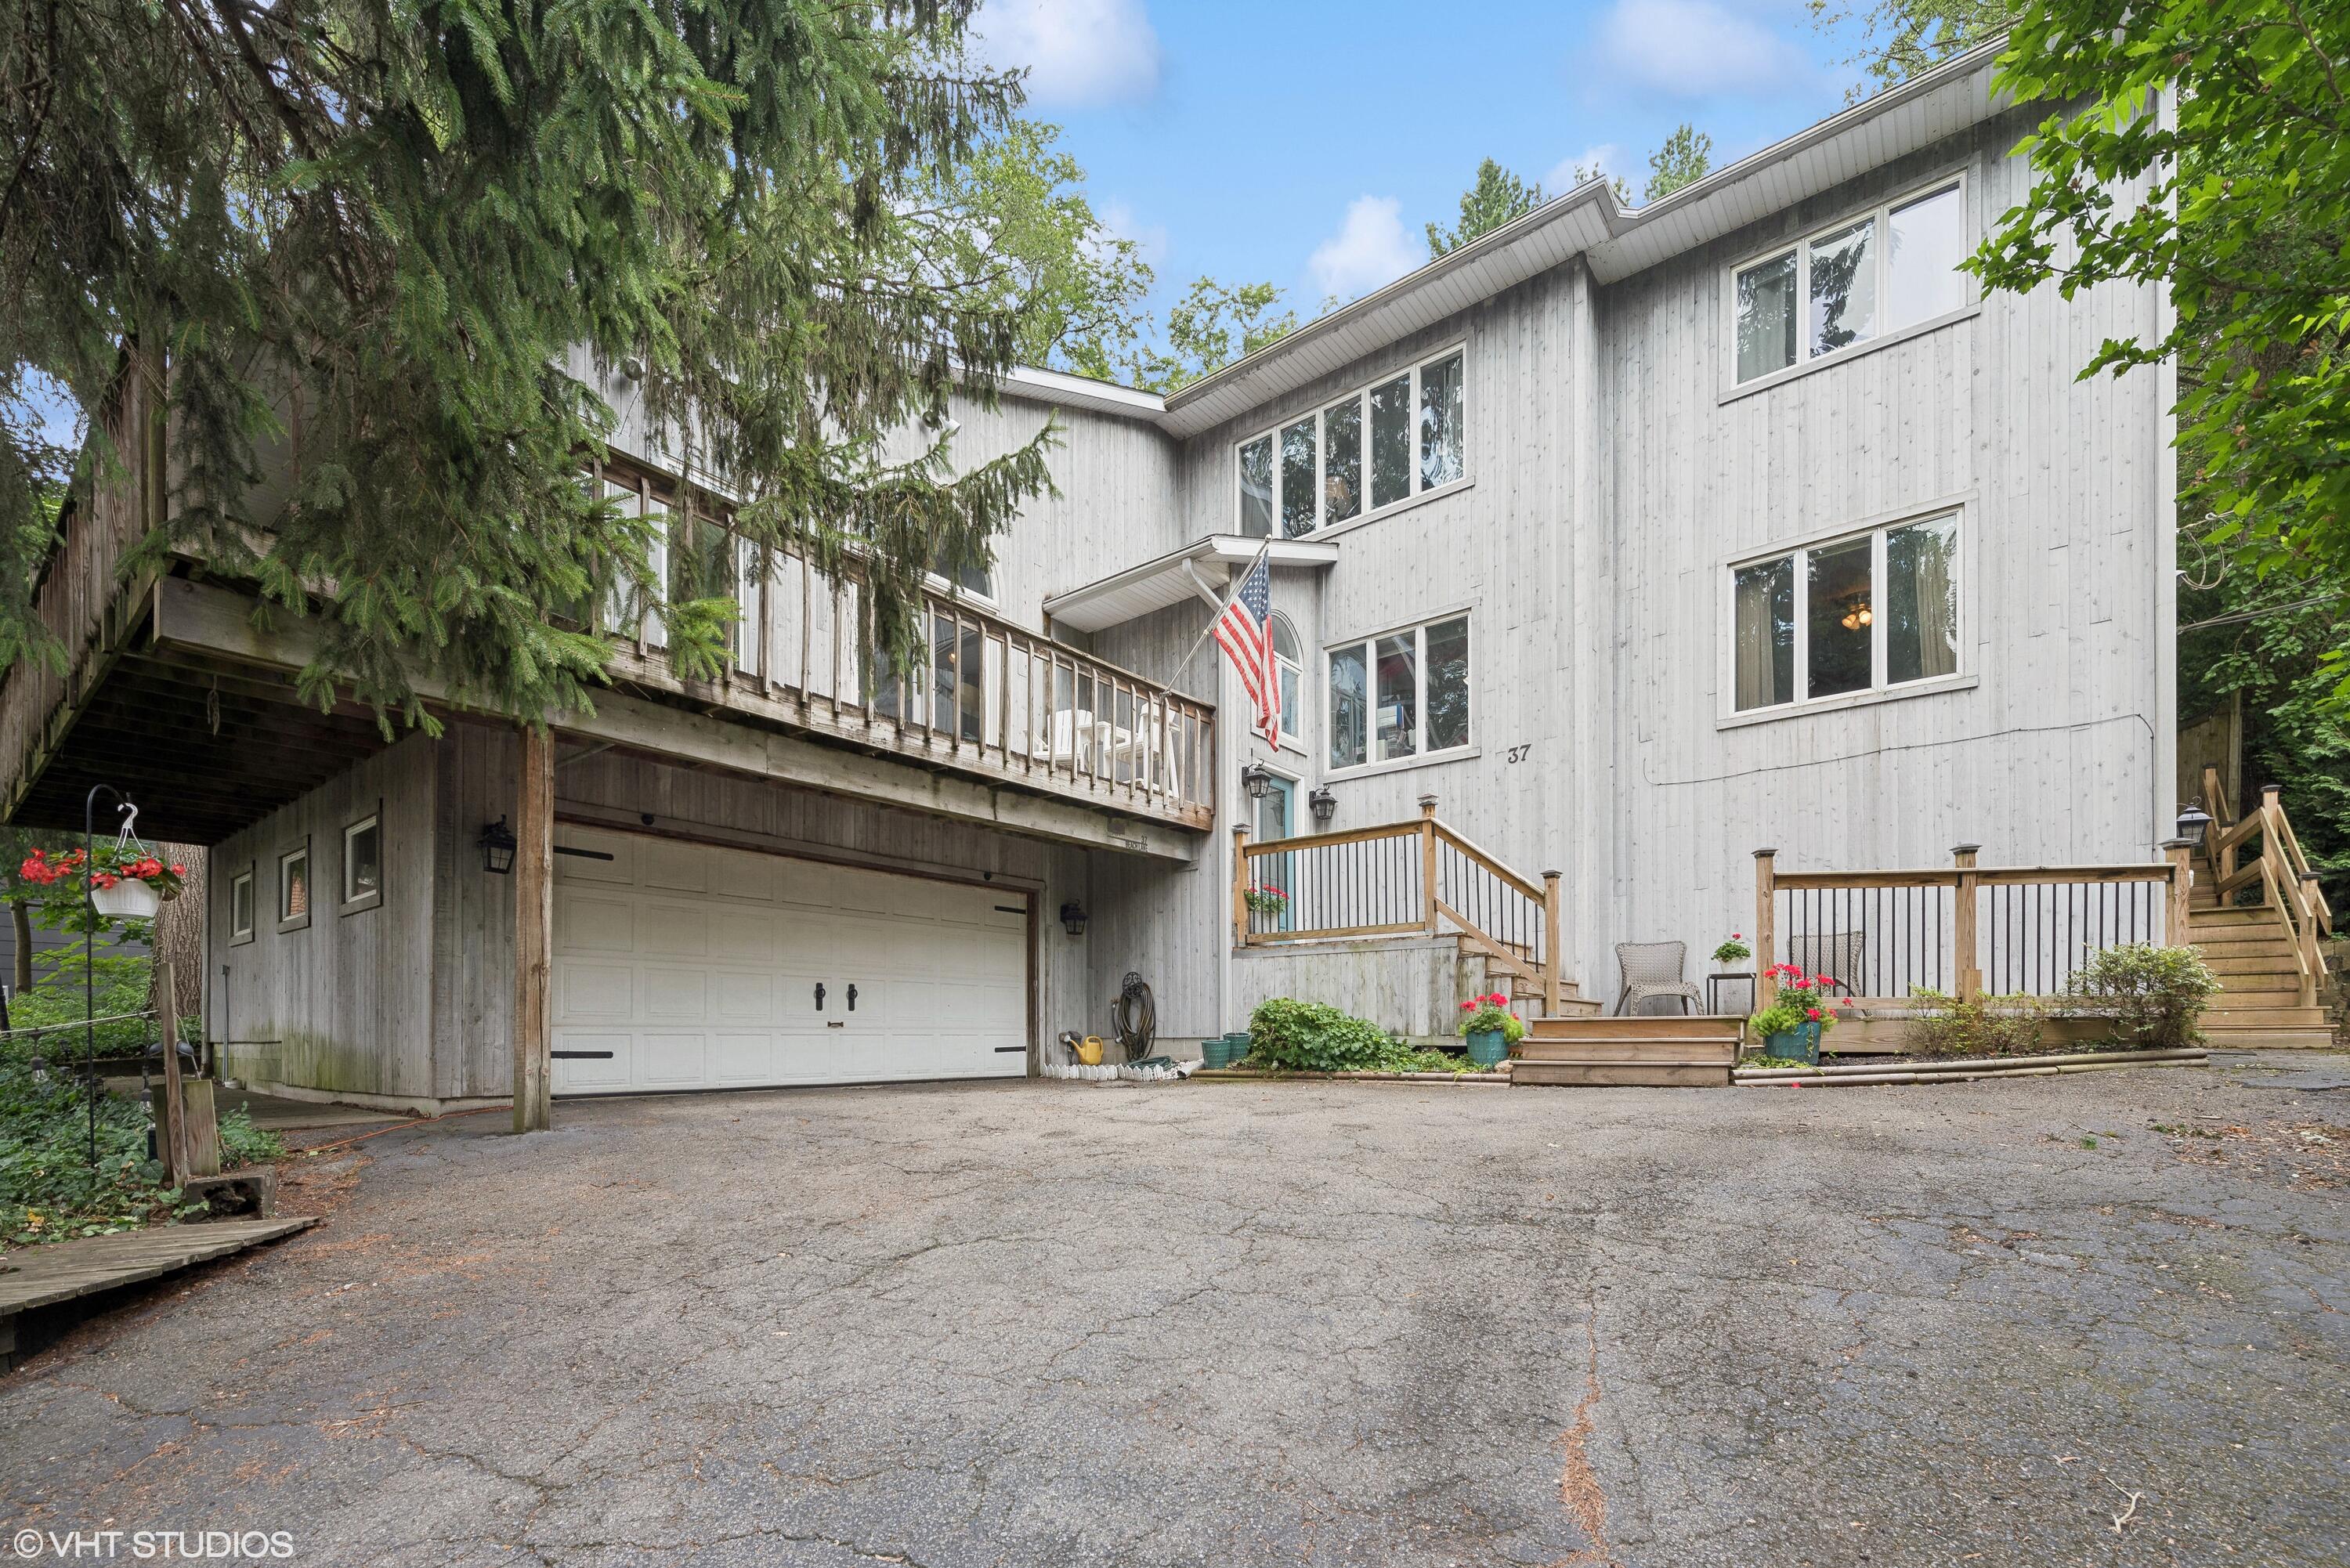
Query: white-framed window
(240,907)
(1863,276)
(363,861)
(1400,694)
(1378,445)
(294,888)
(1289,657)
(1866,612)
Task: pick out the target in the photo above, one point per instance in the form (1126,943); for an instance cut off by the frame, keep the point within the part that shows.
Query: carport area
(1026,1324)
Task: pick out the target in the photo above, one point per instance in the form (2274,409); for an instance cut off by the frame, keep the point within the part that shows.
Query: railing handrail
(1485,858)
(1987,875)
(1328,840)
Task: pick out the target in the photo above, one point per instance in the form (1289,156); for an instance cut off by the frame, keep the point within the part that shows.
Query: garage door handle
(852,996)
(581,1056)
(819,996)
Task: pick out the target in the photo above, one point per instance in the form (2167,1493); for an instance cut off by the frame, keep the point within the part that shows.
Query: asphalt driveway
(1238,1325)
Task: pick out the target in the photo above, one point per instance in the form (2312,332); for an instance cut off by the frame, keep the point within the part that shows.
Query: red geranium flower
(1812,1013)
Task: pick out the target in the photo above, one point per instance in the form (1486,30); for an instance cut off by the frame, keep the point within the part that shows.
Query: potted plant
(1791,1027)
(1491,1028)
(1734,951)
(127,882)
(1267,901)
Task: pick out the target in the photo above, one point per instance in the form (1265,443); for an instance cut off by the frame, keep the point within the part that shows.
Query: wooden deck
(44,1276)
(1692,1050)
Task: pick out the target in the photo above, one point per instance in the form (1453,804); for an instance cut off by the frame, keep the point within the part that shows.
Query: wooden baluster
(1966,949)
(807,622)
(1003,699)
(1554,967)
(1428,862)
(1766,926)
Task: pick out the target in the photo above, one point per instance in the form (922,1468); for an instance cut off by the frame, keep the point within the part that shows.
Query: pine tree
(400,246)
(1496,197)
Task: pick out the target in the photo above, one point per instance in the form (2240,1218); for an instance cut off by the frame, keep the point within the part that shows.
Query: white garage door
(684,966)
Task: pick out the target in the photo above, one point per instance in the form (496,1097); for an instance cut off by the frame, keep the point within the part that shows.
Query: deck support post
(1766,928)
(1553,964)
(534,874)
(2182,882)
(174,1129)
(1428,862)
(1966,945)
(1239,888)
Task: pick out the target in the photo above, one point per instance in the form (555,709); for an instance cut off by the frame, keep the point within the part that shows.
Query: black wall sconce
(497,843)
(1257,779)
(1073,919)
(2193,820)
(1323,805)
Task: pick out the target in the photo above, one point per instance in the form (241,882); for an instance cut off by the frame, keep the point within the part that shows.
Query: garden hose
(1135,1018)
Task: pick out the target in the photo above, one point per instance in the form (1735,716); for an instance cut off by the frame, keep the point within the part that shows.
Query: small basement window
(240,908)
(363,861)
(294,888)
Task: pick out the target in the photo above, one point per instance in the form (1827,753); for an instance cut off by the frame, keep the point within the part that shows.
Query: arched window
(1287,654)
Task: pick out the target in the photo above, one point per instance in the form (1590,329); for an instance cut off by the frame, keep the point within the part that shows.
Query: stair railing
(1395,878)
(2282,871)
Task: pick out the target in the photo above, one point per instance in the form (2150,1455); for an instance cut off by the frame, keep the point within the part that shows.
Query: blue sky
(1306,144)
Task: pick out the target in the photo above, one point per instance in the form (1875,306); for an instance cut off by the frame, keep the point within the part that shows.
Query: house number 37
(1518,753)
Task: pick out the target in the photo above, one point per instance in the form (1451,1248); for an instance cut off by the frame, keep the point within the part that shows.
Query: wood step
(2265,1017)
(2246,947)
(2260,981)
(2212,918)
(2303,1039)
(2231,967)
(1645,1026)
(1687,1051)
(1619,1074)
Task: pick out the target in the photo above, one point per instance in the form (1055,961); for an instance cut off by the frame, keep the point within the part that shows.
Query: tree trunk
(180,930)
(20,919)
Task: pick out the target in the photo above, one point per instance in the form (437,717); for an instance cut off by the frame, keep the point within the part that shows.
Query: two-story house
(1638,539)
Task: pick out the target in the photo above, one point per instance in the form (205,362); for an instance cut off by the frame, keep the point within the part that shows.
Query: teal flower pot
(1801,1043)
(1488,1047)
(1216,1052)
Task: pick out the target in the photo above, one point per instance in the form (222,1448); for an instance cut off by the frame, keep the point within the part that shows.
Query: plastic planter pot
(129,900)
(1488,1047)
(1216,1051)
(1801,1043)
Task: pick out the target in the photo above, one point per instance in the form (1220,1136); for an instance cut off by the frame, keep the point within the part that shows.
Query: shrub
(2155,994)
(1487,1015)
(1312,1037)
(1986,1026)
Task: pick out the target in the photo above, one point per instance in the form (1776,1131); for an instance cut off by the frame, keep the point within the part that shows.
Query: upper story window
(1865,276)
(1402,695)
(1865,613)
(1290,659)
(1370,449)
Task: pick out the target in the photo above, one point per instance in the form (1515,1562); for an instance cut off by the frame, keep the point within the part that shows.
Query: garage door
(684,966)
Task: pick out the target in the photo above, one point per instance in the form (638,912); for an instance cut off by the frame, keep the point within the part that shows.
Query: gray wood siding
(343,1003)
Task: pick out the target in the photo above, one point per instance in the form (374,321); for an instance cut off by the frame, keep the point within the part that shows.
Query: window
(1877,610)
(294,888)
(1402,695)
(1290,661)
(1889,269)
(240,908)
(363,860)
(1357,454)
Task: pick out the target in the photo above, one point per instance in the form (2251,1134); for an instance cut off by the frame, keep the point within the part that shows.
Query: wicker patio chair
(1653,969)
(1836,954)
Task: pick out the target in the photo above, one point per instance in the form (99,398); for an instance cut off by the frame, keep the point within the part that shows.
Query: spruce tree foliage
(1685,157)
(405,245)
(1494,198)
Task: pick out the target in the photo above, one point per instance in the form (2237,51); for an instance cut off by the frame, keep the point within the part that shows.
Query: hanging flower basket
(127,880)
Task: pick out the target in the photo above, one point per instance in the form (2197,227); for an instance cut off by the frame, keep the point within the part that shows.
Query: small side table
(1713,990)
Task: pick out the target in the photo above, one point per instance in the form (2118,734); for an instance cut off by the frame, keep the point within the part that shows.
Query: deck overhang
(1198,570)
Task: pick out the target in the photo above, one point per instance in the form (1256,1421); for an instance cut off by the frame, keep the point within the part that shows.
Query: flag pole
(1263,551)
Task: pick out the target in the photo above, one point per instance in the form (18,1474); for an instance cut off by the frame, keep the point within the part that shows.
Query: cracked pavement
(1241,1323)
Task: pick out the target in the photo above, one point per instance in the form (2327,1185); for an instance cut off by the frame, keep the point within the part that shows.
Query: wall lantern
(497,843)
(1323,805)
(1073,919)
(1257,779)
(2192,820)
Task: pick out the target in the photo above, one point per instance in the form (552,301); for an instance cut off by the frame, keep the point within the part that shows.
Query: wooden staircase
(2266,955)
(1656,1051)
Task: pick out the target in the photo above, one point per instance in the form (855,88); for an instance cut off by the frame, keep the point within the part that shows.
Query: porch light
(2192,820)
(1323,805)
(1257,779)
(497,843)
(1073,919)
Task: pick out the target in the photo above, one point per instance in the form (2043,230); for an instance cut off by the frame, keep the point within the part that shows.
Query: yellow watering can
(1089,1050)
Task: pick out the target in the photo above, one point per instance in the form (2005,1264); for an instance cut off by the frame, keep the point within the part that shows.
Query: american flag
(1244,630)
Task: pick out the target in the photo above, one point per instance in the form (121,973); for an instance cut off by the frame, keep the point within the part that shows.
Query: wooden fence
(1967,931)
(1394,879)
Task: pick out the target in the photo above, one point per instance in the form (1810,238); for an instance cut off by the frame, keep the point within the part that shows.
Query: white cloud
(1370,248)
(1121,221)
(1695,48)
(1078,52)
(1608,158)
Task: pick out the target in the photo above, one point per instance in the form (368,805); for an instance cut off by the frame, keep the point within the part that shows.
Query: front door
(1275,816)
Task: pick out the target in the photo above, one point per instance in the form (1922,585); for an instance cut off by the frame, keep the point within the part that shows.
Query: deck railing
(1396,879)
(992,696)
(1965,931)
(2261,851)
